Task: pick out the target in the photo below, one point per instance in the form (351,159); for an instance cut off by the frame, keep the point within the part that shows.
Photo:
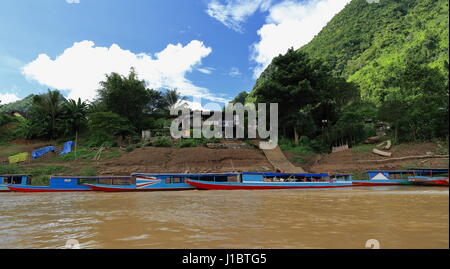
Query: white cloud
(291,24)
(234,72)
(73,1)
(80,68)
(234,12)
(6,98)
(206,70)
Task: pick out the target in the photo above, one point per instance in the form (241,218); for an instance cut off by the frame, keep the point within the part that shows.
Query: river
(397,217)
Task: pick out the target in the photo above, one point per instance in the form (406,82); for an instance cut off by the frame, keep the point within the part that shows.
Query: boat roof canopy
(430,169)
(412,170)
(286,174)
(184,174)
(92,177)
(16,175)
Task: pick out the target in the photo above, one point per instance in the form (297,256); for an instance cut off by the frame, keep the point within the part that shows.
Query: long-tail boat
(63,184)
(158,182)
(387,178)
(13,180)
(265,181)
(430,177)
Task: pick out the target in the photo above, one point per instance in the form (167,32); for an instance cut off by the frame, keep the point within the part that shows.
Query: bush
(303,147)
(89,171)
(186,143)
(104,126)
(129,149)
(41,180)
(162,142)
(9,169)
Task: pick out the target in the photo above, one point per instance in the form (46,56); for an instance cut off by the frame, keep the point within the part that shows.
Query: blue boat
(430,177)
(13,180)
(64,184)
(387,178)
(265,181)
(159,182)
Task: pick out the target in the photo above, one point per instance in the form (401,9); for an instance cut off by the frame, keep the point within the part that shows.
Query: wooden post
(76,143)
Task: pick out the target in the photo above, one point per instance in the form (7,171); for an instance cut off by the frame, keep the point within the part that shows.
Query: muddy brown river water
(397,217)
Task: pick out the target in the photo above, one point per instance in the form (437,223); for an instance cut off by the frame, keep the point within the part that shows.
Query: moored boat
(400,177)
(429,177)
(429,181)
(13,180)
(62,184)
(385,178)
(157,182)
(265,181)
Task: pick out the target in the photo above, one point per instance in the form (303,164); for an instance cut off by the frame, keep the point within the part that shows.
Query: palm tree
(173,98)
(49,105)
(75,115)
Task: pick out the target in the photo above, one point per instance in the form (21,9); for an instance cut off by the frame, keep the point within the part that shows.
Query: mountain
(22,105)
(367,43)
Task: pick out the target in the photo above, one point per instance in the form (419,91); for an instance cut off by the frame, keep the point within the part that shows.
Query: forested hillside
(367,43)
(393,58)
(22,105)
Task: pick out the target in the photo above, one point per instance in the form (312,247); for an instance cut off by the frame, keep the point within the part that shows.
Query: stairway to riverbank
(279,161)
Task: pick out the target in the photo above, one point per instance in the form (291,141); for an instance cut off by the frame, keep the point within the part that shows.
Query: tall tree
(74,116)
(173,98)
(302,87)
(125,96)
(46,111)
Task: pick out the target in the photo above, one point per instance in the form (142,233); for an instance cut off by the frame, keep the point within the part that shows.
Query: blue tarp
(41,151)
(67,148)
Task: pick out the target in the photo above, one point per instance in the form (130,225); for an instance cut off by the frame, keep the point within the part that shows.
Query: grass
(300,149)
(358,175)
(42,180)
(82,153)
(89,171)
(48,170)
(299,160)
(10,169)
(362,148)
(10,152)
(162,142)
(114,154)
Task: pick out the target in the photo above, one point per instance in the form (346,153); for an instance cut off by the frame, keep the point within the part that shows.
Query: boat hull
(387,182)
(42,189)
(266,185)
(109,188)
(429,181)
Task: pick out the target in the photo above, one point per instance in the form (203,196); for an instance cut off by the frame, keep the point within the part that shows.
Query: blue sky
(208,48)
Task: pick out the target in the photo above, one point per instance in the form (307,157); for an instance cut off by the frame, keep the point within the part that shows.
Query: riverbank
(201,159)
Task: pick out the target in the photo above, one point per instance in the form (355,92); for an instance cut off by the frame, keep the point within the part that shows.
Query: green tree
(240,98)
(74,116)
(125,96)
(417,103)
(172,98)
(305,90)
(46,112)
(104,127)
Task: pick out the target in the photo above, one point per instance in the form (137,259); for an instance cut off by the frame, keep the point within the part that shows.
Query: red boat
(429,181)
(430,177)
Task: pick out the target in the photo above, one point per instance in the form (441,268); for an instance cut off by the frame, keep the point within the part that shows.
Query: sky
(208,49)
